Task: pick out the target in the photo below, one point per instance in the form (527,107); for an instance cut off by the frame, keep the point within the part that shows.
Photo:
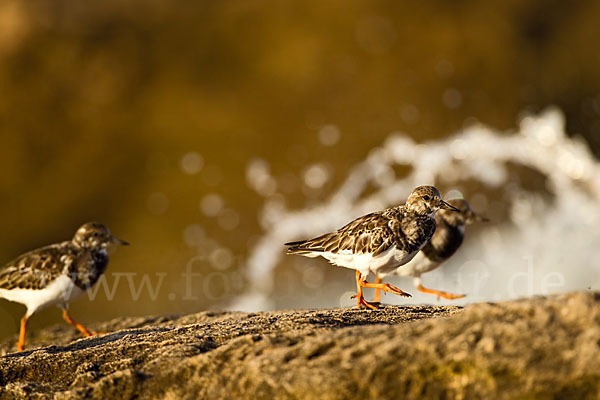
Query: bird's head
(94,235)
(426,200)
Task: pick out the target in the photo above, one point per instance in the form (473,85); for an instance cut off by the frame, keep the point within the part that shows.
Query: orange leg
(360,300)
(386,287)
(439,293)
(377,297)
(21,342)
(79,327)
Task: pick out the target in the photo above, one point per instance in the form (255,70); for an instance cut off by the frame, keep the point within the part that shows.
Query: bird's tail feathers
(302,247)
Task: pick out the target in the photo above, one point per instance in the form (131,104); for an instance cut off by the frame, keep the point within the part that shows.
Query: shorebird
(379,242)
(448,236)
(58,273)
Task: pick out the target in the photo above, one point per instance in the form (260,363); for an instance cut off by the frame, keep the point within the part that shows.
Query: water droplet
(191,163)
(329,135)
(193,235)
(211,204)
(229,219)
(221,258)
(452,98)
(316,176)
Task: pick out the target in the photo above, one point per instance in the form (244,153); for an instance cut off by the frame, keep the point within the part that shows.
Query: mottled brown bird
(58,273)
(379,242)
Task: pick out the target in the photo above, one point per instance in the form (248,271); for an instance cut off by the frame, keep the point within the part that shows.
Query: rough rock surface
(534,348)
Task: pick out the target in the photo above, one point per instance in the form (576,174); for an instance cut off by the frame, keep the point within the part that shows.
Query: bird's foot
(386,287)
(83,331)
(373,305)
(362,302)
(440,293)
(93,333)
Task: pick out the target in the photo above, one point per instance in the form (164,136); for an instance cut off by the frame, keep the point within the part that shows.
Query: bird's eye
(95,234)
(426,198)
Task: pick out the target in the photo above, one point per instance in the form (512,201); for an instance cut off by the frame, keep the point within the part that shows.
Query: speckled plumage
(38,268)
(372,234)
(380,241)
(56,274)
(83,259)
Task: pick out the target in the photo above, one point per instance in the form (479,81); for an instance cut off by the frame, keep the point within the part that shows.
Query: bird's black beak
(473,217)
(119,241)
(446,206)
(479,218)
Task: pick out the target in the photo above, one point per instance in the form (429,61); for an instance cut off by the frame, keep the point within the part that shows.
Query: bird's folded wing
(368,234)
(34,270)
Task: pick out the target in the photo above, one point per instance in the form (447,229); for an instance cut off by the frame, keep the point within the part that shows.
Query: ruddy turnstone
(379,242)
(58,273)
(448,236)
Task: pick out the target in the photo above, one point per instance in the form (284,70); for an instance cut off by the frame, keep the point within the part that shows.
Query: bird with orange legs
(57,274)
(379,242)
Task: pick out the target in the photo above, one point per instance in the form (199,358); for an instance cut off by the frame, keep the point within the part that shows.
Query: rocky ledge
(533,348)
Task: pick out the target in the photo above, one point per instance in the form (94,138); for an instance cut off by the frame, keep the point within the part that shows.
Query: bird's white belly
(415,267)
(384,263)
(61,290)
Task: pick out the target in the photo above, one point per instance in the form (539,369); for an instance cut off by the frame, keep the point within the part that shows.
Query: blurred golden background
(146,115)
